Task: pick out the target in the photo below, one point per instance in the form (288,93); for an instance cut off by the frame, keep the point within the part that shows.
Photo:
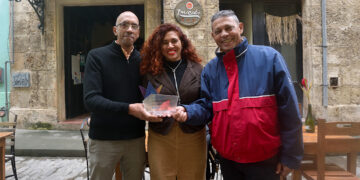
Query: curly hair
(152,58)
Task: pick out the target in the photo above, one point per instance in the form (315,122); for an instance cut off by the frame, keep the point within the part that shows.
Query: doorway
(86,28)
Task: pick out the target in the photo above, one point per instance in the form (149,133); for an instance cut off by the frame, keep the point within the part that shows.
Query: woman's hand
(180,115)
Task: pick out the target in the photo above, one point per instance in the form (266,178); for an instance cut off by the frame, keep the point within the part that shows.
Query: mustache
(129,34)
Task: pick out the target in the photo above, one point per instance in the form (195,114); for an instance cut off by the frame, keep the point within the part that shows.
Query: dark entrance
(253,14)
(86,28)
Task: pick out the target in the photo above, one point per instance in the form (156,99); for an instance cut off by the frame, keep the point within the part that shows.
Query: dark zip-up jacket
(189,89)
(110,85)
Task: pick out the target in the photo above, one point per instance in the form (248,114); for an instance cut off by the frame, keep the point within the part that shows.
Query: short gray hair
(224,13)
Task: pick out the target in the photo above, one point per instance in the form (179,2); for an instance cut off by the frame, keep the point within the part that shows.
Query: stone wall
(200,34)
(343,32)
(35,54)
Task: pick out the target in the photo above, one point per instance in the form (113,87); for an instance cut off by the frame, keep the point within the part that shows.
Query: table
(3,135)
(337,143)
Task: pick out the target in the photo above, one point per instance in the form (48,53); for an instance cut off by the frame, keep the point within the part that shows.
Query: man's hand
(283,170)
(180,114)
(139,111)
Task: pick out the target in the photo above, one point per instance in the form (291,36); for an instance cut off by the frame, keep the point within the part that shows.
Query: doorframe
(152,18)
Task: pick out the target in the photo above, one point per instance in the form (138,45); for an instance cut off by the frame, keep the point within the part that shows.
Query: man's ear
(241,27)
(115,31)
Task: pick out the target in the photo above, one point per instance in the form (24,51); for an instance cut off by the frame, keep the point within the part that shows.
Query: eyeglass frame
(126,25)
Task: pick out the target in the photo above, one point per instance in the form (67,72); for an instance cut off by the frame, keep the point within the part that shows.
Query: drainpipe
(324,48)
(162,12)
(10,61)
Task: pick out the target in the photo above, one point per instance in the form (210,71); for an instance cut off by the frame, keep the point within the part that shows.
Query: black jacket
(110,85)
(189,89)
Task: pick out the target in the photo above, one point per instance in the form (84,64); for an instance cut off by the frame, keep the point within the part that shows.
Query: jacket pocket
(219,125)
(255,121)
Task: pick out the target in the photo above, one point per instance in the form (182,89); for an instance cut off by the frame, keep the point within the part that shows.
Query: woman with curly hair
(176,151)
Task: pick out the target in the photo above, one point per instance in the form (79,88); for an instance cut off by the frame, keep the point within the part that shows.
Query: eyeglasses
(126,25)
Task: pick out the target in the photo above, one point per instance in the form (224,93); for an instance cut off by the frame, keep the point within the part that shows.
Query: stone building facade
(41,55)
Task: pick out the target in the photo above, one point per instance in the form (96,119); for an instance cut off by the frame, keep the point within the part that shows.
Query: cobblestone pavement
(74,168)
(50,168)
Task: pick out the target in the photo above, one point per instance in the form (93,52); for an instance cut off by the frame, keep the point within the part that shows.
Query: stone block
(333,113)
(316,94)
(343,37)
(50,5)
(35,61)
(20,97)
(197,36)
(50,61)
(355,95)
(211,53)
(312,2)
(339,16)
(345,56)
(19,59)
(312,16)
(316,56)
(35,42)
(21,43)
(47,80)
(22,6)
(315,74)
(27,117)
(350,75)
(339,96)
(50,22)
(316,38)
(50,40)
(349,113)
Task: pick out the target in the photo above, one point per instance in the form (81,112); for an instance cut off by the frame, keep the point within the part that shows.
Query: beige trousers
(104,156)
(177,155)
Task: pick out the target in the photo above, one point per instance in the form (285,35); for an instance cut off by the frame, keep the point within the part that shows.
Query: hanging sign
(188,12)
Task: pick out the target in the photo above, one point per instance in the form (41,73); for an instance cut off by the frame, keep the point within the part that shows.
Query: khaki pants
(177,155)
(104,155)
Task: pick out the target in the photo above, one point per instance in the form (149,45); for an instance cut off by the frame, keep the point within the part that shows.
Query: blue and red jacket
(249,96)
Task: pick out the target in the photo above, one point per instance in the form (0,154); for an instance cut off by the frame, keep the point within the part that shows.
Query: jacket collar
(119,50)
(239,50)
(163,78)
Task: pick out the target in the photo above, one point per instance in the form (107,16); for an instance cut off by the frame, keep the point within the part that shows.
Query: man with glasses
(112,95)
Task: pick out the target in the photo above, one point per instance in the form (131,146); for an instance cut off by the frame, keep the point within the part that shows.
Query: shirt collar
(239,49)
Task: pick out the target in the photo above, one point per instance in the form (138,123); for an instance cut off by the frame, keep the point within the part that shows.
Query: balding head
(125,15)
(126,29)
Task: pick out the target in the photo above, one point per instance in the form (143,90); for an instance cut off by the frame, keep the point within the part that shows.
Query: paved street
(46,168)
(50,168)
(74,168)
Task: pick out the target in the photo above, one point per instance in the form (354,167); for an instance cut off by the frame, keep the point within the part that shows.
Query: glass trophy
(160,104)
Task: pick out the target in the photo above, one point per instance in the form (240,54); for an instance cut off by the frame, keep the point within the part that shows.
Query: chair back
(10,127)
(337,137)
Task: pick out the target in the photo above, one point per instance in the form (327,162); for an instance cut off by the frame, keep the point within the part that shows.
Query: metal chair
(85,141)
(10,127)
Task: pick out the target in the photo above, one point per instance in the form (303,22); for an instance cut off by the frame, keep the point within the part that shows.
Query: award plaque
(160,104)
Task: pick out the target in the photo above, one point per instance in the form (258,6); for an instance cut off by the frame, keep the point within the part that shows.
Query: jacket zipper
(176,86)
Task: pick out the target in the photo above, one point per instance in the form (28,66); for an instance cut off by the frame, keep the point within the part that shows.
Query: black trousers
(263,170)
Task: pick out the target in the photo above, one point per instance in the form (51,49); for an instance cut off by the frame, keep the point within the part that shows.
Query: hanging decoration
(282,30)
